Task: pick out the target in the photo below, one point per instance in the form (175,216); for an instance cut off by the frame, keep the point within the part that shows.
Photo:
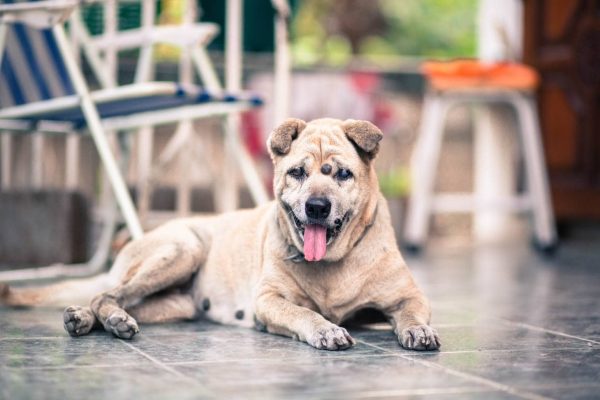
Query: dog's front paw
(419,337)
(331,337)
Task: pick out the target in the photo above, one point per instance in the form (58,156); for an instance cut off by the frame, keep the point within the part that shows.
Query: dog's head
(325,183)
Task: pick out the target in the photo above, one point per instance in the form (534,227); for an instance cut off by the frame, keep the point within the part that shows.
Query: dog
(298,266)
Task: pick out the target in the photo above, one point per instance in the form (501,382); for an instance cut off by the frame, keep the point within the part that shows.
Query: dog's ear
(364,135)
(280,140)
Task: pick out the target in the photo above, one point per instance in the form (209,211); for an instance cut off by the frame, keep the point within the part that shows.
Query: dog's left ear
(280,140)
(364,135)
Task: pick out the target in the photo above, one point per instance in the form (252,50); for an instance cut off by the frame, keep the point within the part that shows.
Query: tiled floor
(513,325)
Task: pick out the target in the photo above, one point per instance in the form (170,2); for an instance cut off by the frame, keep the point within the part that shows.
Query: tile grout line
(496,351)
(465,375)
(157,362)
(420,392)
(540,329)
(59,367)
(268,360)
(34,338)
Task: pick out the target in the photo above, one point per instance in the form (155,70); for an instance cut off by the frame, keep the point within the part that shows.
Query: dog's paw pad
(331,338)
(420,337)
(78,321)
(121,325)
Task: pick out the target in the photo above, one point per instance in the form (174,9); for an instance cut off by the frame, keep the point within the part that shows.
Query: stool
(424,202)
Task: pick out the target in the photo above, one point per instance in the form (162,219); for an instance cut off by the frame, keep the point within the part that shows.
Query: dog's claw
(331,338)
(420,337)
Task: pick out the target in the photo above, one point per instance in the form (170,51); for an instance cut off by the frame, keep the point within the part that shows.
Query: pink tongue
(315,242)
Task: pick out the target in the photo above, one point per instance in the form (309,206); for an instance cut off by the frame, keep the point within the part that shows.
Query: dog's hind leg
(164,308)
(79,321)
(168,262)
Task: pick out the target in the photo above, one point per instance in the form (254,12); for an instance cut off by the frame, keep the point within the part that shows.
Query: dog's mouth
(315,235)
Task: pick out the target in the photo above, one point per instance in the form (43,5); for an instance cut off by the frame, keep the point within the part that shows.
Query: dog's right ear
(280,140)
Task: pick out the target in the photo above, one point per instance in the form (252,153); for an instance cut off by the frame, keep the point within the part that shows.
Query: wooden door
(562,41)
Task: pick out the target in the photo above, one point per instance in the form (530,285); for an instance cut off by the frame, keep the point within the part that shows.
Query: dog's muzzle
(315,233)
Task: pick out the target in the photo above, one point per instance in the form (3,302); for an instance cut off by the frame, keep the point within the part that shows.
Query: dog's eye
(297,172)
(343,174)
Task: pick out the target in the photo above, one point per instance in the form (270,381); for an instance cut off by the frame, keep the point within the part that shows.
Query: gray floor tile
(484,336)
(327,378)
(444,394)
(126,382)
(183,328)
(578,392)
(513,325)
(224,344)
(30,323)
(535,371)
(67,351)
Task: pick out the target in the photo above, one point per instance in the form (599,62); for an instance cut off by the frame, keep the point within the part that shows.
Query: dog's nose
(318,208)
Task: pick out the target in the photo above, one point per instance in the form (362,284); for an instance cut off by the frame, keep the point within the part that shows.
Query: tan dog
(298,266)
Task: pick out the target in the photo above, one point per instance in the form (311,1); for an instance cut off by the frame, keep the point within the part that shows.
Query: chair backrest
(31,68)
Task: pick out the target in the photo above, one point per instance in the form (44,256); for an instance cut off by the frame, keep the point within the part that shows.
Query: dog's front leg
(410,319)
(282,317)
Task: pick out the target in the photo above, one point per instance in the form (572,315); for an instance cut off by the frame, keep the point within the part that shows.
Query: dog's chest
(335,297)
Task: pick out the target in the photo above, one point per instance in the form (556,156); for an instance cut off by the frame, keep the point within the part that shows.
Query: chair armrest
(178,35)
(40,14)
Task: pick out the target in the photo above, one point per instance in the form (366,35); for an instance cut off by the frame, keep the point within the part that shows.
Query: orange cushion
(472,73)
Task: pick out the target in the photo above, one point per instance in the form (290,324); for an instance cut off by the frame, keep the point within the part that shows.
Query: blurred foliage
(432,28)
(395,182)
(414,28)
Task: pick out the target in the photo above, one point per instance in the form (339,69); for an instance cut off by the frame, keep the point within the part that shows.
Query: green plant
(395,183)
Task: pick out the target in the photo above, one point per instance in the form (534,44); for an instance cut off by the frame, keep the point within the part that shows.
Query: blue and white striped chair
(43,90)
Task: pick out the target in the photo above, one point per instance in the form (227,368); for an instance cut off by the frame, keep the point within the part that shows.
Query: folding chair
(43,90)
(192,38)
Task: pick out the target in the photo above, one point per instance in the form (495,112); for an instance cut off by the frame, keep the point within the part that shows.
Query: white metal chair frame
(57,12)
(53,14)
(423,202)
(192,38)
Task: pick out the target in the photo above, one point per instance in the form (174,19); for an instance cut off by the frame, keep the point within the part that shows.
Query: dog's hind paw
(331,338)
(121,325)
(420,337)
(78,321)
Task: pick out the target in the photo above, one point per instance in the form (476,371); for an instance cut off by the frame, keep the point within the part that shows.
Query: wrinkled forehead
(322,143)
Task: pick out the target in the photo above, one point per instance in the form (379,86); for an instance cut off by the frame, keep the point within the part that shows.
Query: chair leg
(72,152)
(144,166)
(3,32)
(239,153)
(205,69)
(6,155)
(423,170)
(226,189)
(184,185)
(98,135)
(37,155)
(537,180)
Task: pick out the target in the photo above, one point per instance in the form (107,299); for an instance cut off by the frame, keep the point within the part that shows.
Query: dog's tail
(62,294)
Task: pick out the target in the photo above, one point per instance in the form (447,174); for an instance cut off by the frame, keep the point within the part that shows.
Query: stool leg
(423,170)
(537,180)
